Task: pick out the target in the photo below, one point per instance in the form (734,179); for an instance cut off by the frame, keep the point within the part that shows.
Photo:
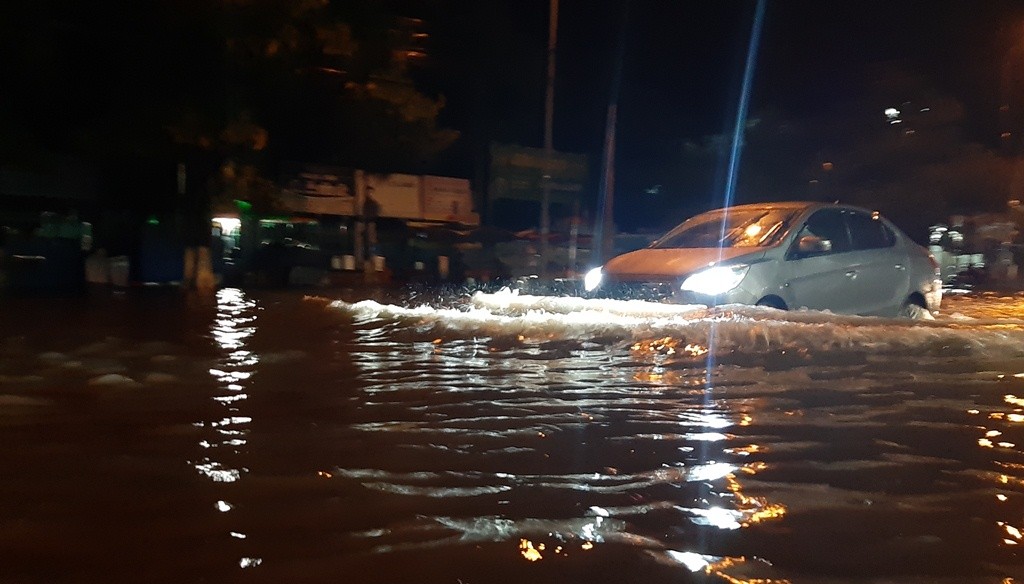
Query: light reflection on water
(393,443)
(1006,456)
(729,422)
(233,325)
(565,400)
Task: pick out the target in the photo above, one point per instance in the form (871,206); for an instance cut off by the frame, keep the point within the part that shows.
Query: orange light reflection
(528,551)
(756,509)
(716,569)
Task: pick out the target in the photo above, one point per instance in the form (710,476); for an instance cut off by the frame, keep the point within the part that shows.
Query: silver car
(784,255)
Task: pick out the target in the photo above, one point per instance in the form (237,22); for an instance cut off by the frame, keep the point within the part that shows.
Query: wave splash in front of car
(729,330)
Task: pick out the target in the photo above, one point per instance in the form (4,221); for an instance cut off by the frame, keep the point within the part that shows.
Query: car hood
(650,263)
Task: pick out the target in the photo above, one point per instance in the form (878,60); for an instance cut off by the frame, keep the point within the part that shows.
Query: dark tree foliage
(231,87)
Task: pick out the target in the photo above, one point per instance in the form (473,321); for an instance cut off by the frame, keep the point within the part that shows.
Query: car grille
(650,291)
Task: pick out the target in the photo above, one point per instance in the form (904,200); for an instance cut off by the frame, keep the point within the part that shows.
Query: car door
(881,277)
(820,280)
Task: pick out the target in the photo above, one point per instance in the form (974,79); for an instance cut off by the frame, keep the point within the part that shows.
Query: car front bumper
(670,292)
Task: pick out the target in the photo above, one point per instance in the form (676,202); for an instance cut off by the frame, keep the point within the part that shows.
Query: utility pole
(604,229)
(549,115)
(606,235)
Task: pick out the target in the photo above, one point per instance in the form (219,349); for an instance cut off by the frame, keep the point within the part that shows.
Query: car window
(757,227)
(868,232)
(827,224)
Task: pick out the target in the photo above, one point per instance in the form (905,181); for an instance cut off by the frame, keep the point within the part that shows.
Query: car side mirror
(811,245)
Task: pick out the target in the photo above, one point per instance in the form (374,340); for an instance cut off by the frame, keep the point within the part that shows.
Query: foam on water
(736,330)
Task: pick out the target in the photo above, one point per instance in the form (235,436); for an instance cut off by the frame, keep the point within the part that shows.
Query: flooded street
(272,437)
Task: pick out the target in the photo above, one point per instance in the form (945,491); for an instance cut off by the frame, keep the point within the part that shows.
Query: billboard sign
(325,190)
(296,203)
(520,172)
(448,199)
(398,195)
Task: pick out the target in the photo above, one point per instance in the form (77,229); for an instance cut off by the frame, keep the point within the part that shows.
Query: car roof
(802,205)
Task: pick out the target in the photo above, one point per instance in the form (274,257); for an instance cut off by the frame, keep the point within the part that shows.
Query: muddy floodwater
(393,437)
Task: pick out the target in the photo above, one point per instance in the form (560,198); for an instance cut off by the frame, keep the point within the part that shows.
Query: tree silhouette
(137,87)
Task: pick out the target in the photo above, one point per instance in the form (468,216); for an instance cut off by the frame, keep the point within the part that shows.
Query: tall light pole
(549,117)
(604,229)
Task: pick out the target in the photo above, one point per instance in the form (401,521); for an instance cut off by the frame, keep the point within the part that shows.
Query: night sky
(818,63)
(684,60)
(824,75)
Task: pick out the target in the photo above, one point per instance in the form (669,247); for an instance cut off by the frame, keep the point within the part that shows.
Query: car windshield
(758,227)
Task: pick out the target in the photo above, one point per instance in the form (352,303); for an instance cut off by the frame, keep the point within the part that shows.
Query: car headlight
(716,280)
(592,280)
